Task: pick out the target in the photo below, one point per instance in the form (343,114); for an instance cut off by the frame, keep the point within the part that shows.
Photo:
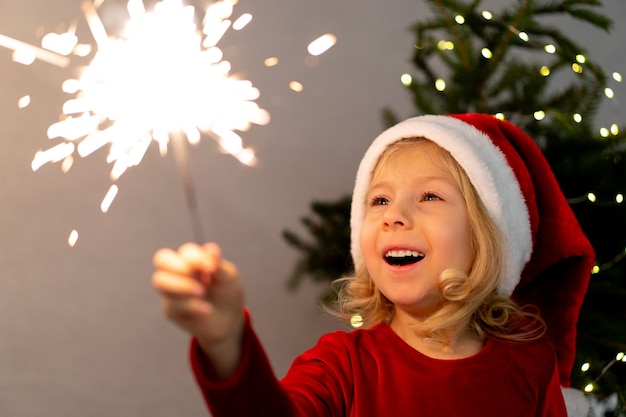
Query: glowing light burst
(163,79)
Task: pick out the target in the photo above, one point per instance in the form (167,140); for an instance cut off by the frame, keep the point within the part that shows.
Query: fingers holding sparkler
(201,292)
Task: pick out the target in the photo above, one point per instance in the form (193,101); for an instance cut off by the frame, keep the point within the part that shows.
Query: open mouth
(403,257)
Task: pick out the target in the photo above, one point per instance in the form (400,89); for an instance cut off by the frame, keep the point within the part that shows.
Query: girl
(453,218)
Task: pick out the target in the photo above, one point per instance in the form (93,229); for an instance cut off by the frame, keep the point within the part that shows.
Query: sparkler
(163,80)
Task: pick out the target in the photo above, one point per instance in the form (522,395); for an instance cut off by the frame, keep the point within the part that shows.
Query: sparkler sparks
(163,79)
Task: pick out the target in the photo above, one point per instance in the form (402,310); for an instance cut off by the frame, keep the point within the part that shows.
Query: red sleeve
(552,403)
(313,386)
(252,390)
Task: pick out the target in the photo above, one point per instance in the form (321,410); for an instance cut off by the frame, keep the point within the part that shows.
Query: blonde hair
(470,298)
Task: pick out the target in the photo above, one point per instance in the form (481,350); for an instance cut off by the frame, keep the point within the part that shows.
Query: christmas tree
(515,63)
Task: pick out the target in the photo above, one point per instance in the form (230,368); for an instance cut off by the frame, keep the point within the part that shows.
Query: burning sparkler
(163,80)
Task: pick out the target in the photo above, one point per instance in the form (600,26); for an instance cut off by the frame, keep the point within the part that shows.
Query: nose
(396,216)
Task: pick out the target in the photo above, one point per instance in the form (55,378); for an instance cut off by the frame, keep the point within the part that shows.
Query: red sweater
(374,373)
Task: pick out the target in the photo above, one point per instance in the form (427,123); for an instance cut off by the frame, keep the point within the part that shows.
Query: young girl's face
(415,227)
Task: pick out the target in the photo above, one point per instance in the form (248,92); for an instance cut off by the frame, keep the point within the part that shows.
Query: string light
(440,84)
(551,49)
(539,115)
(445,45)
(406,79)
(614,129)
(591,386)
(486,52)
(487,15)
(545,71)
(459,19)
(577,68)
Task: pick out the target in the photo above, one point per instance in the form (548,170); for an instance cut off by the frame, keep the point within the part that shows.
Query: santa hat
(549,257)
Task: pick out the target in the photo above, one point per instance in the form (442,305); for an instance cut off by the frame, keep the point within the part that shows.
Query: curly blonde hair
(469,299)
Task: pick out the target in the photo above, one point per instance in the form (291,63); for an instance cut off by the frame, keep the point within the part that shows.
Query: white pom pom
(576,402)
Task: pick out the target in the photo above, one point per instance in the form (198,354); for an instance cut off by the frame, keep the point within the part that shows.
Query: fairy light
(614,129)
(487,15)
(617,77)
(440,84)
(609,93)
(591,386)
(539,115)
(406,79)
(523,36)
(544,70)
(619,198)
(444,45)
(577,117)
(581,59)
(499,116)
(591,197)
(459,19)
(486,52)
(577,68)
(549,48)
(604,132)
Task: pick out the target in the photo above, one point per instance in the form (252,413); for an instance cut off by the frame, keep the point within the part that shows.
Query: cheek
(367,240)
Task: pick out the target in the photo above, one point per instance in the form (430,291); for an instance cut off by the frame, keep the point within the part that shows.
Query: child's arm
(202,293)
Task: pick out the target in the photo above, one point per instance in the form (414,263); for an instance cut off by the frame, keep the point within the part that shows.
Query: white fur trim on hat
(487,169)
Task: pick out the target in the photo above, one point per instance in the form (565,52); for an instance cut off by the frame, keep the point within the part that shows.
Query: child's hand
(202,293)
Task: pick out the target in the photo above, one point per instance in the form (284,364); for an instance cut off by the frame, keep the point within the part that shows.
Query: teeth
(403,254)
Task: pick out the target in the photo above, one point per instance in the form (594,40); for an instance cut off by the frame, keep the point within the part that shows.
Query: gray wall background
(81,330)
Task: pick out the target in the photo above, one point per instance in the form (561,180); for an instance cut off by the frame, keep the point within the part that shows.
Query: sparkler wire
(181,155)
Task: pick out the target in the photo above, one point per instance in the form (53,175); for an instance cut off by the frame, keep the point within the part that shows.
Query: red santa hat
(549,257)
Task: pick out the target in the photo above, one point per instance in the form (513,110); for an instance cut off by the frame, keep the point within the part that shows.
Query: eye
(379,201)
(428,196)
